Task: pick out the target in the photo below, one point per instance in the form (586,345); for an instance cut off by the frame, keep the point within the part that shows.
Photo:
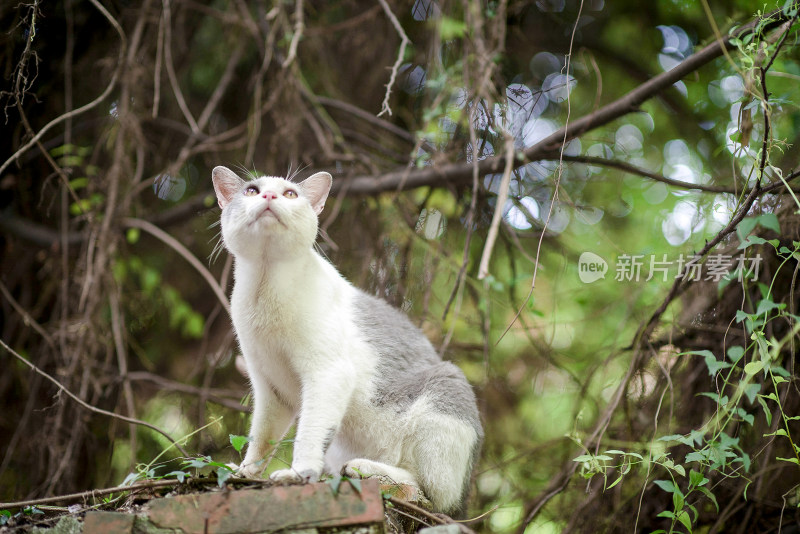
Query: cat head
(269,215)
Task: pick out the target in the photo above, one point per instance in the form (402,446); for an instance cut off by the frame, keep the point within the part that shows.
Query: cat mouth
(267,213)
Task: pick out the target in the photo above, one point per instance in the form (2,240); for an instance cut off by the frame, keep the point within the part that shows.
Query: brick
(269,509)
(108,523)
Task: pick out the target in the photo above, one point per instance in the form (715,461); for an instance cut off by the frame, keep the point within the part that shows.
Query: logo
(591,267)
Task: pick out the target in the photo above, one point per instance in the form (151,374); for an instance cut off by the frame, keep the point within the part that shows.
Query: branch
(299,26)
(633,169)
(460,173)
(499,208)
(158,233)
(75,112)
(404,41)
(147,484)
(89,406)
(180,387)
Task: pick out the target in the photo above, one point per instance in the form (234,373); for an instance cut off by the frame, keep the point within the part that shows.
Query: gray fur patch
(408,365)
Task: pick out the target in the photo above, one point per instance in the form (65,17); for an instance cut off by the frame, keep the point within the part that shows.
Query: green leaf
(132,235)
(745,227)
(746,417)
(666,485)
(711,497)
(697,456)
(667,514)
(751,240)
(223,474)
(356,483)
(334,484)
(683,517)
(677,500)
(766,305)
(180,475)
(197,463)
(745,461)
(770,221)
(238,441)
(790,460)
(753,367)
(751,391)
(130,479)
(617,481)
(778,370)
(451,28)
(767,411)
(721,401)
(735,353)
(696,478)
(714,365)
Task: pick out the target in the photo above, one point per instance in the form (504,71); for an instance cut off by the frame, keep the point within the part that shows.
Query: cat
(370,394)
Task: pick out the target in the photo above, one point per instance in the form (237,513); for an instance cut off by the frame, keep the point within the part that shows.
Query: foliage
(609,253)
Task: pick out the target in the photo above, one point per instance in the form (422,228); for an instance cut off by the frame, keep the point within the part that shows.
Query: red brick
(269,509)
(107,523)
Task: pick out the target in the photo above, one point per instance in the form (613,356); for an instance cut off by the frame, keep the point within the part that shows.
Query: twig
(208,394)
(299,26)
(439,519)
(184,252)
(499,208)
(461,173)
(26,318)
(556,185)
(157,67)
(173,79)
(89,406)
(404,41)
(633,169)
(138,486)
(416,509)
(122,362)
(75,112)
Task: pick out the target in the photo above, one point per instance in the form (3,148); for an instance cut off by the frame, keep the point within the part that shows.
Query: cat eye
(251,191)
(290,193)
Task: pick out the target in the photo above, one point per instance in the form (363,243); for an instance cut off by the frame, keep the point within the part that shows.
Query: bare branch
(173,79)
(184,252)
(499,208)
(89,406)
(404,41)
(299,26)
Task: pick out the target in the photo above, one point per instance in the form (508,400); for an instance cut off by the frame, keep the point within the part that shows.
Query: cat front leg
(324,404)
(271,420)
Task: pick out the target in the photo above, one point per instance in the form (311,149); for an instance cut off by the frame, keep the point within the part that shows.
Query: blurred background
(548,277)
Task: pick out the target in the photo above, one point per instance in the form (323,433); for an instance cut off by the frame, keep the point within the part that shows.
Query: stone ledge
(301,509)
(270,509)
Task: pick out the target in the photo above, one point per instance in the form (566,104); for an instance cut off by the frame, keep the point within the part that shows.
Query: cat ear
(226,184)
(316,188)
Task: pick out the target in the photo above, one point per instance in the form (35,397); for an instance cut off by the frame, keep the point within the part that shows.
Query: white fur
(306,359)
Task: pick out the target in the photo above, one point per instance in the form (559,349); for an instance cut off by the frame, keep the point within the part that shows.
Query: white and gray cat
(369,392)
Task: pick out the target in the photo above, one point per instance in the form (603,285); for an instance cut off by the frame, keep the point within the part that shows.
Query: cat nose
(270,195)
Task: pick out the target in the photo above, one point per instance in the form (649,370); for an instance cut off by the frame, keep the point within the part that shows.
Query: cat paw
(291,476)
(250,470)
(363,468)
(360,468)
